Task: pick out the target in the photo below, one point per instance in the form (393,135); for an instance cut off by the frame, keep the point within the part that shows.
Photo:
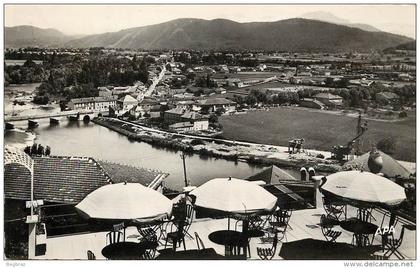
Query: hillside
(287,35)
(24,36)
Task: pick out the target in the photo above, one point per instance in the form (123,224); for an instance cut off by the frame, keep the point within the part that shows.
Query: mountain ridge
(296,34)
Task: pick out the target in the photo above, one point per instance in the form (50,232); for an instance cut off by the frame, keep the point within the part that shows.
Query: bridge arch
(86,118)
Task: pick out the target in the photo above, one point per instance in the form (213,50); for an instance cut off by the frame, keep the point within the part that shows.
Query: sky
(94,19)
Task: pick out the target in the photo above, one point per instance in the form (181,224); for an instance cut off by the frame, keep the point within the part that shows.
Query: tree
(387,145)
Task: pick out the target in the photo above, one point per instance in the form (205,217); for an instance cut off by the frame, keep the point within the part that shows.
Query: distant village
(186,91)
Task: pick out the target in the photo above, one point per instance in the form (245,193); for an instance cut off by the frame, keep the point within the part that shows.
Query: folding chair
(90,255)
(393,244)
(280,222)
(268,253)
(334,209)
(326,228)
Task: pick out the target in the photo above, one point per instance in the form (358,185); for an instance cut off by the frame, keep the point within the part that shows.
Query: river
(80,139)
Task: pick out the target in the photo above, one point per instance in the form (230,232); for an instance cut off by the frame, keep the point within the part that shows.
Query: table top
(357,226)
(194,254)
(229,238)
(124,251)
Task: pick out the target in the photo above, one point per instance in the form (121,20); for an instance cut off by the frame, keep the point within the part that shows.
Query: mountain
(328,17)
(406,46)
(24,36)
(286,35)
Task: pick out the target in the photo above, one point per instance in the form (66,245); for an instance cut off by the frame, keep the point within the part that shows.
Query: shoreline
(251,153)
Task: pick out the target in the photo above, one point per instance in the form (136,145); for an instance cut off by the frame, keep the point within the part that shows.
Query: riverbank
(231,150)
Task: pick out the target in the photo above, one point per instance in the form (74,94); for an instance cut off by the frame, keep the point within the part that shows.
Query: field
(320,130)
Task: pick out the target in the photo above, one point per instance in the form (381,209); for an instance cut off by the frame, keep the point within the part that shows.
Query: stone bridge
(73,115)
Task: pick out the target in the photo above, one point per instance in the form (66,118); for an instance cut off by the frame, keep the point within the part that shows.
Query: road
(156,81)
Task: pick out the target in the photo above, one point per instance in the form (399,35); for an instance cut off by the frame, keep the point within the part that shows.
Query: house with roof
(179,115)
(214,104)
(387,97)
(200,122)
(146,106)
(173,115)
(98,104)
(311,103)
(104,92)
(329,99)
(127,102)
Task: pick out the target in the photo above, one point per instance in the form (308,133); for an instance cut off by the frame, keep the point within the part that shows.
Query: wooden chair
(392,245)
(115,237)
(268,253)
(90,255)
(326,228)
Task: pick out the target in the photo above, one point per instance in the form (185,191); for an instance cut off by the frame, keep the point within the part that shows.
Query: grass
(320,130)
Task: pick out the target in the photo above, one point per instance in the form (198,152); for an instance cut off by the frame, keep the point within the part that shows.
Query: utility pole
(358,130)
(185,169)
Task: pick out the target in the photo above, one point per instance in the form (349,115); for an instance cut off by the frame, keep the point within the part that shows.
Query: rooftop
(94,99)
(216,101)
(68,180)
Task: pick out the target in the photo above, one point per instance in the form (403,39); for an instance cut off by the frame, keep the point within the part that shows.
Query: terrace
(304,224)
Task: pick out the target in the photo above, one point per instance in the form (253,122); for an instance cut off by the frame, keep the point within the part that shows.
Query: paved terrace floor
(304,224)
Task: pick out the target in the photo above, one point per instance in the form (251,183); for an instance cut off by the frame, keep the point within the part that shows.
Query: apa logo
(385,230)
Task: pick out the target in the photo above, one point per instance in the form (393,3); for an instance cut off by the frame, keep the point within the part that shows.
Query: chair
(177,236)
(268,253)
(327,224)
(385,230)
(334,209)
(90,255)
(177,226)
(280,222)
(393,244)
(365,214)
(147,234)
(115,237)
(200,244)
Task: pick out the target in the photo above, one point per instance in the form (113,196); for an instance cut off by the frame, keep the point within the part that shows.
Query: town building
(98,104)
(329,99)
(214,104)
(127,102)
(311,103)
(386,98)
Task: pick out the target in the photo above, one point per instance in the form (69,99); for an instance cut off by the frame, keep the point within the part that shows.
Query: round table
(360,229)
(229,238)
(124,251)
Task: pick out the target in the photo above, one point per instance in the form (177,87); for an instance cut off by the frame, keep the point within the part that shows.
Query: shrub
(402,114)
(387,145)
